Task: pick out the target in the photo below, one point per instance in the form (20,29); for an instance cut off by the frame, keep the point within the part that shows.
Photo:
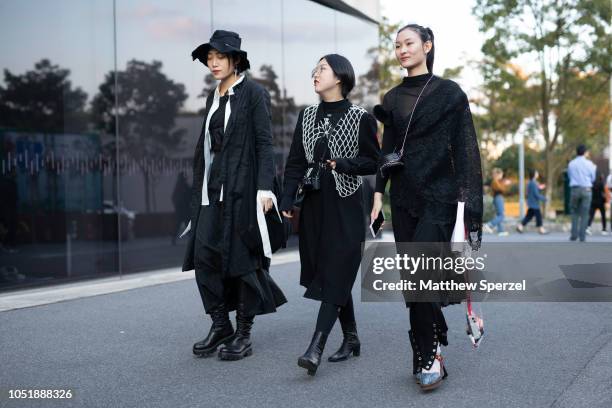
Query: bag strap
(401,152)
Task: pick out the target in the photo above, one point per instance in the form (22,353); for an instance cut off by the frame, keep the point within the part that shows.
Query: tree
(147,105)
(386,66)
(210,83)
(569,41)
(42,100)
(508,160)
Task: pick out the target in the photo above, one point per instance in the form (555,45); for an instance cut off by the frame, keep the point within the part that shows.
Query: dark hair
(581,149)
(343,70)
(532,173)
(243,63)
(426,35)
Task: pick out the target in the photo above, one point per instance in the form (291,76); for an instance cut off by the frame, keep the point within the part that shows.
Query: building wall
(82,197)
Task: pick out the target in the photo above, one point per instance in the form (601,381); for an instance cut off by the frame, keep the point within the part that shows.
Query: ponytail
(430,54)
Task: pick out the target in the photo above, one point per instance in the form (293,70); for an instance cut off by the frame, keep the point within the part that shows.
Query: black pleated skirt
(256,289)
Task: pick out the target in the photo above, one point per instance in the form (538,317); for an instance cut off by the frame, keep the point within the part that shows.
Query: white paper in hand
(458,238)
(187,229)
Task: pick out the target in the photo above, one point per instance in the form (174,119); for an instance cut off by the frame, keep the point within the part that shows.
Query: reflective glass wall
(95,182)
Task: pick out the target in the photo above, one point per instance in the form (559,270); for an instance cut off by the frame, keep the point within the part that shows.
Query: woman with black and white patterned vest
(334,144)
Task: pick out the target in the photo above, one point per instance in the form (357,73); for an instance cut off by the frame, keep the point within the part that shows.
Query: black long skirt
(255,290)
(332,230)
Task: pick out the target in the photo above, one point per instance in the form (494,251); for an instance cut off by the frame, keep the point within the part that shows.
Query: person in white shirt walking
(581,172)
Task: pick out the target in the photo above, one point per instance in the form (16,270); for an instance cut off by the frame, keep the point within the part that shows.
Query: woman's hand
(288,214)
(332,164)
(376,206)
(267,204)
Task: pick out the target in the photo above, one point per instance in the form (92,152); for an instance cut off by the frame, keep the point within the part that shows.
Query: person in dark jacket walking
(431,155)
(533,203)
(233,174)
(600,199)
(334,144)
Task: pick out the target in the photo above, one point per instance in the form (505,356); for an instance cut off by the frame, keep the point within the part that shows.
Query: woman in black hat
(431,155)
(334,144)
(233,174)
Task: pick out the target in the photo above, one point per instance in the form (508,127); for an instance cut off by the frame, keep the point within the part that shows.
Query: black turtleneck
(403,100)
(409,90)
(332,110)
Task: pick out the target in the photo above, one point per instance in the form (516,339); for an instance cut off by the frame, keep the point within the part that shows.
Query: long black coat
(247,166)
(332,227)
(441,157)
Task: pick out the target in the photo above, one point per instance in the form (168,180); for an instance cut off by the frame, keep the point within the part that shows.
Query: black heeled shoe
(312,357)
(350,344)
(221,331)
(240,346)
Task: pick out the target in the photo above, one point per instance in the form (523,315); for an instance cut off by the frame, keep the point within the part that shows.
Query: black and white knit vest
(343,142)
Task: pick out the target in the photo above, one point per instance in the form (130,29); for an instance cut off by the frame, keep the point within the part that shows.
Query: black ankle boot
(350,343)
(240,346)
(312,358)
(221,331)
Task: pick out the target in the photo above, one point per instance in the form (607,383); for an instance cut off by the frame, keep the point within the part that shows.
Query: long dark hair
(343,70)
(426,35)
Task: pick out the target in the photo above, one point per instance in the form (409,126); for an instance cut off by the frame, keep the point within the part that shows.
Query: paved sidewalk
(133,349)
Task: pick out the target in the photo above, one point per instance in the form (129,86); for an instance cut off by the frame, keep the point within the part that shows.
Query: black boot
(312,358)
(221,331)
(350,343)
(240,346)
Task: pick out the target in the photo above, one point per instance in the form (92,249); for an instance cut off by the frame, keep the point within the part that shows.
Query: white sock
(435,367)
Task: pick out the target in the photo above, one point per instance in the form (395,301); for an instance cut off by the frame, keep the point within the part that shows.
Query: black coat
(249,129)
(441,156)
(332,228)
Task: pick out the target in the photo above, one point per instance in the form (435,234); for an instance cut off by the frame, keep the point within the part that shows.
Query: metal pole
(118,178)
(610,134)
(521,176)
(212,22)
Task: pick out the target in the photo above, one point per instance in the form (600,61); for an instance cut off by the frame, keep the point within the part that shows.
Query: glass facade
(94,182)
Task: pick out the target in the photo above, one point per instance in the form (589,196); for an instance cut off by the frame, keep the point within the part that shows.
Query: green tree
(508,161)
(42,100)
(147,105)
(568,41)
(386,65)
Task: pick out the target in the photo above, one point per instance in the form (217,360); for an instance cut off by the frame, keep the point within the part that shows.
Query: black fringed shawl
(441,154)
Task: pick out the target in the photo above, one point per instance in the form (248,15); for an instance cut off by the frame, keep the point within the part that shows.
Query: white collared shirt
(208,155)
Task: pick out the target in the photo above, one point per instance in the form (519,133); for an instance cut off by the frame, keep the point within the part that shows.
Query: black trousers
(602,210)
(328,313)
(428,327)
(533,212)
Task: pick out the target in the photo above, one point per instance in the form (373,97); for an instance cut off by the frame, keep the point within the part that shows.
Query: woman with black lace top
(334,144)
(440,168)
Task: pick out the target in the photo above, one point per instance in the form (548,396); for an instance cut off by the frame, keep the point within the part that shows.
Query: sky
(79,35)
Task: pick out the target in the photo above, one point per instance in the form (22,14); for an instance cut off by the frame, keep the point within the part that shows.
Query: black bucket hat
(226,42)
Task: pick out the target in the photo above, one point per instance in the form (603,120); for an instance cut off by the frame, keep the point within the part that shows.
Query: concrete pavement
(127,343)
(133,349)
